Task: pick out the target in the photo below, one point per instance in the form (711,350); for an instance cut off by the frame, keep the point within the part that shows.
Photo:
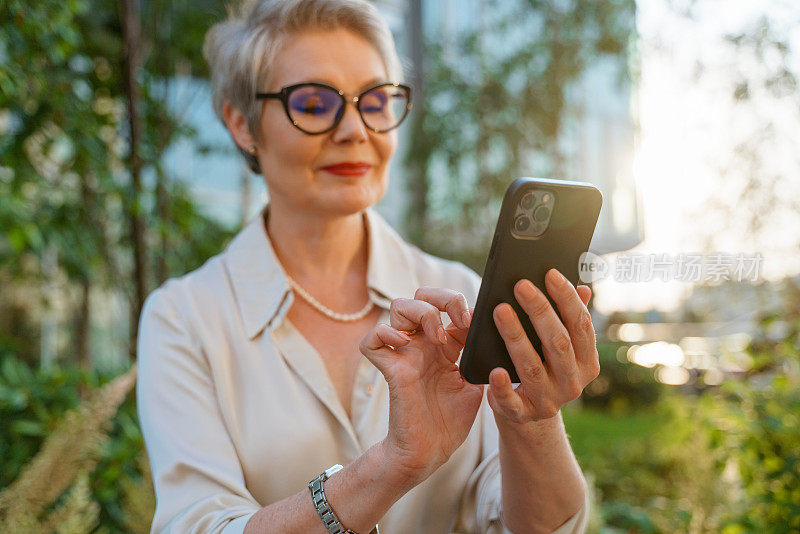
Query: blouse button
(369,388)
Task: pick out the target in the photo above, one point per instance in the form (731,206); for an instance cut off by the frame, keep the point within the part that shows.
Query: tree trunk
(131,31)
(162,19)
(49,325)
(83,325)
(162,204)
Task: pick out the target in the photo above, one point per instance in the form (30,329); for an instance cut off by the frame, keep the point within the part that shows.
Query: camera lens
(527,201)
(541,213)
(522,223)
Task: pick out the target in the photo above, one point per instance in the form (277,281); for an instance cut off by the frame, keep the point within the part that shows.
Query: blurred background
(115,175)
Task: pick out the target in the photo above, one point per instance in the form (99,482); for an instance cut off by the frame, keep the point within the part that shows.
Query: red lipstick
(349,168)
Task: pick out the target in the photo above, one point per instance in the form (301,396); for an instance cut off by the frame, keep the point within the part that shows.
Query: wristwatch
(324,510)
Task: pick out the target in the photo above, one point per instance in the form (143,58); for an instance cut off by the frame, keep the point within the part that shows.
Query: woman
(316,337)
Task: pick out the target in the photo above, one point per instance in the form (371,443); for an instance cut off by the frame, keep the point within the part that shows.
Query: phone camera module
(527,201)
(533,213)
(541,214)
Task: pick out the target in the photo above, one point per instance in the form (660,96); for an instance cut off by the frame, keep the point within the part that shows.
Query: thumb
(502,397)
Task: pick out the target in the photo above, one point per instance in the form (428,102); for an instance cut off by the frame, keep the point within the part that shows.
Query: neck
(319,249)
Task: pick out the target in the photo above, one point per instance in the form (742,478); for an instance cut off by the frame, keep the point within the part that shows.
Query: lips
(349,168)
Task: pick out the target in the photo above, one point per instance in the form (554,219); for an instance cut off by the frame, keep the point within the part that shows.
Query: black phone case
(574,216)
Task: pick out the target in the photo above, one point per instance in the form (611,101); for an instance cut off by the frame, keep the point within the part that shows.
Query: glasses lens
(384,107)
(314,109)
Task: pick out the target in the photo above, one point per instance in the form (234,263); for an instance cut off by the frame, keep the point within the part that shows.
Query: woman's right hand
(431,406)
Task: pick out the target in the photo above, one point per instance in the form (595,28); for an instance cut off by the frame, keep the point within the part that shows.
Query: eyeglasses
(316,108)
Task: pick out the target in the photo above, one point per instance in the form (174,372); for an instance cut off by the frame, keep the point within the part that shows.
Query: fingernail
(442,335)
(498,378)
(526,289)
(505,313)
(404,336)
(467,318)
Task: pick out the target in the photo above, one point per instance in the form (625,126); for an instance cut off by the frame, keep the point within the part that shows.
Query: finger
(456,339)
(410,314)
(556,342)
(585,293)
(379,344)
(458,335)
(447,300)
(527,362)
(502,397)
(575,315)
(452,349)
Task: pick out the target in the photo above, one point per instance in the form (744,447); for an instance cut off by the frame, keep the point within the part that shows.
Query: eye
(313,104)
(374,101)
(314,100)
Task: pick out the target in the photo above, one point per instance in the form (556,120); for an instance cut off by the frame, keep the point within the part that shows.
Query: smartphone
(543,224)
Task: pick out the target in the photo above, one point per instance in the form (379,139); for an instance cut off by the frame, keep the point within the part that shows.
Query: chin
(351,199)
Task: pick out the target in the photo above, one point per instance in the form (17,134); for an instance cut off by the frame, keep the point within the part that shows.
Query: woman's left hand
(431,406)
(570,353)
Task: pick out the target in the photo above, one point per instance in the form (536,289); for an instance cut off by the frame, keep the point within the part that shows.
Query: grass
(591,430)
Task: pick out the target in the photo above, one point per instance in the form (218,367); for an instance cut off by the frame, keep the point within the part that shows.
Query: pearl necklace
(324,310)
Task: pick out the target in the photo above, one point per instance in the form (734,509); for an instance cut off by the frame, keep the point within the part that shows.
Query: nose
(351,127)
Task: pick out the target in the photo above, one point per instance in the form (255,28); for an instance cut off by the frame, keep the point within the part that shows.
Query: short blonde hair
(241,49)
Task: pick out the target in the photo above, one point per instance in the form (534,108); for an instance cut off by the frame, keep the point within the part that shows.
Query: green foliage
(671,476)
(56,111)
(762,421)
(727,460)
(33,405)
(621,385)
(65,192)
(64,189)
(194,236)
(494,106)
(138,500)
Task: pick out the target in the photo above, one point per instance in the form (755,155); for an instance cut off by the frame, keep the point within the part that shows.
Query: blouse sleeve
(481,502)
(198,479)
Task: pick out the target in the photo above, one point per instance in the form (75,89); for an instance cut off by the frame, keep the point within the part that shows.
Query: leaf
(13,399)
(16,237)
(15,372)
(28,428)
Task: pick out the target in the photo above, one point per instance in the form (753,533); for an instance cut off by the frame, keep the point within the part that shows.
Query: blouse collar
(262,292)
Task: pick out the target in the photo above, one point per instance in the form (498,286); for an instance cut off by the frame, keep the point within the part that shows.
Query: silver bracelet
(324,510)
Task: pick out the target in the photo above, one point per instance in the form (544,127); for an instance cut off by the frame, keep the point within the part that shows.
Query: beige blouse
(238,410)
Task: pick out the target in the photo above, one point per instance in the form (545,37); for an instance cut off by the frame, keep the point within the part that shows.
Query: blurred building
(706,341)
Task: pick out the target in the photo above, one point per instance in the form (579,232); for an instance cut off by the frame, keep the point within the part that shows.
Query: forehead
(338,57)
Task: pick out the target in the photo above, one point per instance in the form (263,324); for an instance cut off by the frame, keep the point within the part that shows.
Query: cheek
(288,151)
(386,146)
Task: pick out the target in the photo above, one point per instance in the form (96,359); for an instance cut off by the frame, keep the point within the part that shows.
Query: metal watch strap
(324,511)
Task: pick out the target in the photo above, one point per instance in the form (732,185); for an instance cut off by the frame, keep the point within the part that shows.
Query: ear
(237,125)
